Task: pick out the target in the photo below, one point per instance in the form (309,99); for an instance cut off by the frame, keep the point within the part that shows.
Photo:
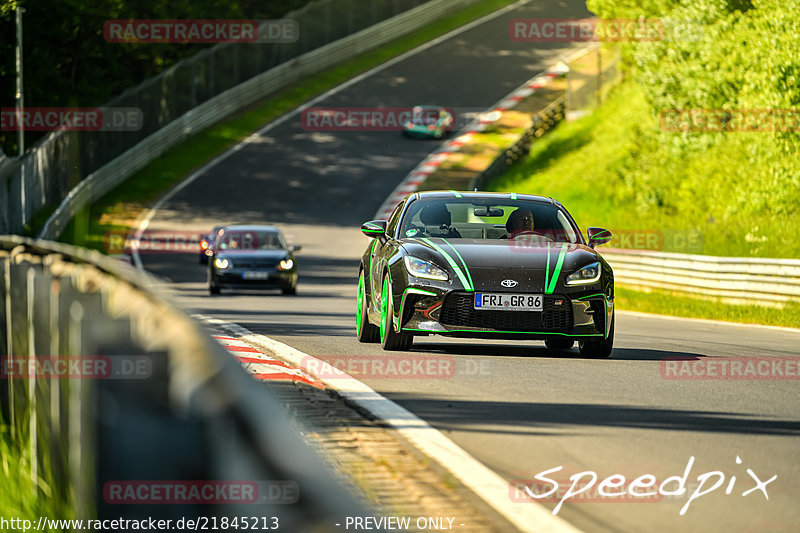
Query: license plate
(507,302)
(255,275)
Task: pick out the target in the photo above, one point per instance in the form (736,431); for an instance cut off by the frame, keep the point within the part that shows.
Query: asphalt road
(514,406)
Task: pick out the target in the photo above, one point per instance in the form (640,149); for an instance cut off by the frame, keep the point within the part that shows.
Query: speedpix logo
(646,487)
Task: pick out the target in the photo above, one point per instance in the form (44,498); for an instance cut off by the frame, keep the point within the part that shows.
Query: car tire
(213,289)
(599,348)
(558,344)
(365,332)
(289,291)
(391,339)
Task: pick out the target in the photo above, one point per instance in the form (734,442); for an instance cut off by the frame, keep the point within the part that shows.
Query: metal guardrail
(195,415)
(762,280)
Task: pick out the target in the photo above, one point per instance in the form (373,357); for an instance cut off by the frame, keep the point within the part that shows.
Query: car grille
(254,263)
(458,310)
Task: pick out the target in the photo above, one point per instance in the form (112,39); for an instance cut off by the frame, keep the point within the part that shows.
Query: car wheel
(391,339)
(559,343)
(213,289)
(599,348)
(289,291)
(365,331)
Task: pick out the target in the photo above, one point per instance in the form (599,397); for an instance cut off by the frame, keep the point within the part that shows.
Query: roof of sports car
(484,194)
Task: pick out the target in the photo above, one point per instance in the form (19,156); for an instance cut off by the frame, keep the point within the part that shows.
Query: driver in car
(519,222)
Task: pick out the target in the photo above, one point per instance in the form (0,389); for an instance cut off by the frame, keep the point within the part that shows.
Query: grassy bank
(611,169)
(670,303)
(726,191)
(118,210)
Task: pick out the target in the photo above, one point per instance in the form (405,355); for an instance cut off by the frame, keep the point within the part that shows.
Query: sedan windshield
(487,218)
(251,240)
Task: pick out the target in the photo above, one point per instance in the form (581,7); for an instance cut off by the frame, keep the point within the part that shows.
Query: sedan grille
(255,263)
(458,310)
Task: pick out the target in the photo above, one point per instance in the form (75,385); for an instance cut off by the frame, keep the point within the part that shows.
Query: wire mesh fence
(591,75)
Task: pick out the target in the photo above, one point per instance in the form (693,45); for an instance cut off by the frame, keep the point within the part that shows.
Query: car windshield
(487,218)
(251,240)
(425,116)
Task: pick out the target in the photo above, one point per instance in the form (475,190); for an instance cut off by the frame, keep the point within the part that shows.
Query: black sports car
(485,265)
(252,257)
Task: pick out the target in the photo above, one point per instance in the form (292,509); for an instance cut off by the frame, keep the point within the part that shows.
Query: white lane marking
(708,321)
(529,517)
(144,220)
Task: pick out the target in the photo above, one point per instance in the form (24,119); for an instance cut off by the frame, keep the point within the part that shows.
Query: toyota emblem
(508,283)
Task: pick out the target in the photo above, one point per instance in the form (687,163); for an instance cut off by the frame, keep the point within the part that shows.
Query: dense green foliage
(620,168)
(67,61)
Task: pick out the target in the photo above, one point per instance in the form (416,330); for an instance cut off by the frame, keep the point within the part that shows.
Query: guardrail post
(33,445)
(56,438)
(75,411)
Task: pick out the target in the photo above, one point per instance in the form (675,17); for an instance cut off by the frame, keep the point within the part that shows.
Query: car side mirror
(295,248)
(598,236)
(374,228)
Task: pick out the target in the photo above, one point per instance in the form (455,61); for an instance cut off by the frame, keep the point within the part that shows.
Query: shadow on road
(518,417)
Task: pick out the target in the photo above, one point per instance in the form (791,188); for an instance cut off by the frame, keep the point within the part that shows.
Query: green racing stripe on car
(592,296)
(466,268)
(445,332)
(456,193)
(464,281)
(411,290)
(513,196)
(551,286)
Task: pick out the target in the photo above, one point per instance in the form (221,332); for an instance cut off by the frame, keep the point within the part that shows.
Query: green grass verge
(610,170)
(118,210)
(669,303)
(21,496)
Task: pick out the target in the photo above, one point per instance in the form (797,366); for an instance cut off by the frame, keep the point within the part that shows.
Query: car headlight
(286,264)
(583,276)
(222,263)
(424,269)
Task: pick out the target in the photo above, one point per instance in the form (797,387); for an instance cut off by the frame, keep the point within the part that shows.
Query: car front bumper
(274,279)
(426,309)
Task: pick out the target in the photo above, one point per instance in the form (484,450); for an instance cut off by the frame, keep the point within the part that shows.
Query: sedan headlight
(424,269)
(222,263)
(584,276)
(286,264)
